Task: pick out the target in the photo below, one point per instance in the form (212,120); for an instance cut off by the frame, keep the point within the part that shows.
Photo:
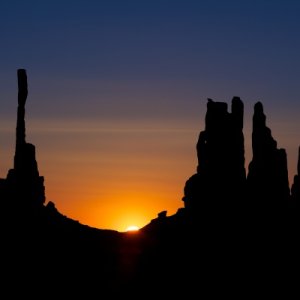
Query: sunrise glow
(132,228)
(115,125)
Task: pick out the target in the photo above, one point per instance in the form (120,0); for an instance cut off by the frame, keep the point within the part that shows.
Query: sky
(118,92)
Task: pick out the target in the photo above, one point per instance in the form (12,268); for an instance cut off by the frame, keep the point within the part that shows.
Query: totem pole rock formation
(220,179)
(267,180)
(23,183)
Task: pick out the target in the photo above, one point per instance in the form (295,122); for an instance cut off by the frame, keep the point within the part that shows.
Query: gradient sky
(118,89)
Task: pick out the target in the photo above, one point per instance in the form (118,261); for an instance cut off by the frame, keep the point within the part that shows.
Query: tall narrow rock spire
(22,96)
(21,128)
(267,179)
(24,181)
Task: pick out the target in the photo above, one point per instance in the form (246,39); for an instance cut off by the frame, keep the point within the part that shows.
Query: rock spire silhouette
(220,179)
(220,183)
(23,185)
(267,180)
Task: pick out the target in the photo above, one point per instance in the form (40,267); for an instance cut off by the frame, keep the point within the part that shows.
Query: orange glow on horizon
(109,179)
(118,211)
(132,228)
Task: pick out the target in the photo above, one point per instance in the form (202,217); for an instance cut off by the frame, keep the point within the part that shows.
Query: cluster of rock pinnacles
(220,182)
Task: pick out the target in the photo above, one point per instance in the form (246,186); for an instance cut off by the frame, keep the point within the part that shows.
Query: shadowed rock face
(23,184)
(267,180)
(220,179)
